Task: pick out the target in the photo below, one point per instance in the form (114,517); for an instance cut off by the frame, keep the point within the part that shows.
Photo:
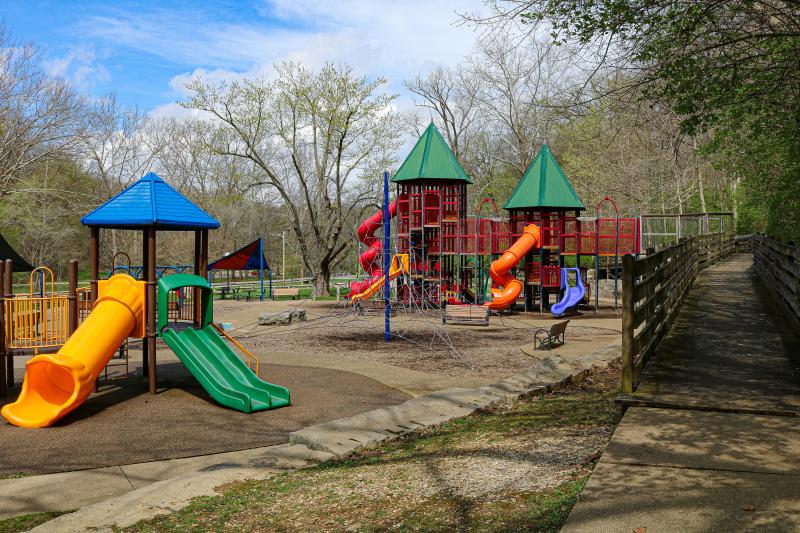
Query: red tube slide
(506,287)
(369,258)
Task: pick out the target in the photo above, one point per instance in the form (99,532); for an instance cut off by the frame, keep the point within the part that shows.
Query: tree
(728,67)
(319,139)
(39,113)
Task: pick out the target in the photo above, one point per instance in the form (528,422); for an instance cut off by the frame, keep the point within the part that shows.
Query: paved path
(711,441)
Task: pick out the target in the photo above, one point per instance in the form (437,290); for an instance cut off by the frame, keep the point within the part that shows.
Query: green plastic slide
(221,372)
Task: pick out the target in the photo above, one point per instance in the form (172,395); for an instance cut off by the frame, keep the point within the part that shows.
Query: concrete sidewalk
(711,440)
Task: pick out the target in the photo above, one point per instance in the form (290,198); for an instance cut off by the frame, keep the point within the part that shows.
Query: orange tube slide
(506,286)
(56,384)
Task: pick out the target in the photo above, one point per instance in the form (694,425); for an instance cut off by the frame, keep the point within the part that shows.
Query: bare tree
(451,95)
(317,139)
(39,113)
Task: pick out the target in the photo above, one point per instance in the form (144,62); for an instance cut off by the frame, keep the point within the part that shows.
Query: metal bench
(475,315)
(294,292)
(545,339)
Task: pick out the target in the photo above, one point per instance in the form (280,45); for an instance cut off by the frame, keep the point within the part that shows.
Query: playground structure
(451,252)
(87,332)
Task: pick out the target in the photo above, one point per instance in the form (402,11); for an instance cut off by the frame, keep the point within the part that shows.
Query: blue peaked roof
(150,202)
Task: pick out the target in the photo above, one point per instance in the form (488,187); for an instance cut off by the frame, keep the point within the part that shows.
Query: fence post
(628,278)
(72,296)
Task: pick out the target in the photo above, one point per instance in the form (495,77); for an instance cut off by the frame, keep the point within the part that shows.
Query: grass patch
(517,467)
(13,475)
(27,521)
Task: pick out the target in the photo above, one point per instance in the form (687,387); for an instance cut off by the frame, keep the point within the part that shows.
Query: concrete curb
(307,447)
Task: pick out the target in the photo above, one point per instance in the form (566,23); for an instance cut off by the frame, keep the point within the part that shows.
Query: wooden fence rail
(653,290)
(778,266)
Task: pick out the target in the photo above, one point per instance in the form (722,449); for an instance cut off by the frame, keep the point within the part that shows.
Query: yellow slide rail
(252,360)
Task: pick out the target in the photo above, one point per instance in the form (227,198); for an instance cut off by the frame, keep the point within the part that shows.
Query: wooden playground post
(198,240)
(9,293)
(94,262)
(3,354)
(151,307)
(145,345)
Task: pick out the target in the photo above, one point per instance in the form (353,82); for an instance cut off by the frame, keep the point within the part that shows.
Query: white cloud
(81,67)
(377,38)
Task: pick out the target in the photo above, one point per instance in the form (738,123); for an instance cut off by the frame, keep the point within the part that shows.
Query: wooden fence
(778,266)
(653,290)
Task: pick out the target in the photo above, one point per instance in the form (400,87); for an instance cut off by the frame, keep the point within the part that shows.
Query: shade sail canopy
(246,258)
(544,184)
(150,202)
(431,159)
(7,252)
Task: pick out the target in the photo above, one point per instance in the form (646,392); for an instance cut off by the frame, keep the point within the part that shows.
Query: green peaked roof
(544,185)
(431,159)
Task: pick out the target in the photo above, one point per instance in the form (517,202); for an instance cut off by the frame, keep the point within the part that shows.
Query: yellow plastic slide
(56,384)
(398,266)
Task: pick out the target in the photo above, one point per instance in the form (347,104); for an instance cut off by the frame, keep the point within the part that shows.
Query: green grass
(27,521)
(381,488)
(13,475)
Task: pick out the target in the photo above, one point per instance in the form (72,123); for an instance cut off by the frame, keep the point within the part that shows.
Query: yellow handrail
(44,270)
(250,356)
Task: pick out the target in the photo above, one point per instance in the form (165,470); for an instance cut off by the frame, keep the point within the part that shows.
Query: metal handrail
(250,356)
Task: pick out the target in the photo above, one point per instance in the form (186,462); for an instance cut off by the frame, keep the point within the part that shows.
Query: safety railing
(653,290)
(778,266)
(252,360)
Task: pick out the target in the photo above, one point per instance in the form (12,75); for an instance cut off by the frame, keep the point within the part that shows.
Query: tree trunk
(322,282)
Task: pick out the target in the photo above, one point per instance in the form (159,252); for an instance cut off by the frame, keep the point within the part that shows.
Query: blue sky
(146,51)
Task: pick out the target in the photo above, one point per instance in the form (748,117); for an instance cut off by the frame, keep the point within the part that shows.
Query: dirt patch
(421,342)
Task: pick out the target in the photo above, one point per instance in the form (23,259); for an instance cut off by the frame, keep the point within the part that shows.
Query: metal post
(283,257)
(386,231)
(261,266)
(596,262)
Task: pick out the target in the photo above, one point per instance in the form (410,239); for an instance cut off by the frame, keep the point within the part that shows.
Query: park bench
(294,292)
(544,339)
(475,315)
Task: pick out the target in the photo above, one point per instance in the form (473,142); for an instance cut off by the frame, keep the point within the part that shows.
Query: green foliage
(727,67)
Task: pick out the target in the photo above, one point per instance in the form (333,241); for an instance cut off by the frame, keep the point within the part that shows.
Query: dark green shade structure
(544,185)
(430,159)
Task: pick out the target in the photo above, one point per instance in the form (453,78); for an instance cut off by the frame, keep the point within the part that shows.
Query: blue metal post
(271,296)
(386,231)
(261,266)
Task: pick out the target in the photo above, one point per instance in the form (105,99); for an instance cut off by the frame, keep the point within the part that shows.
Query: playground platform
(710,439)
